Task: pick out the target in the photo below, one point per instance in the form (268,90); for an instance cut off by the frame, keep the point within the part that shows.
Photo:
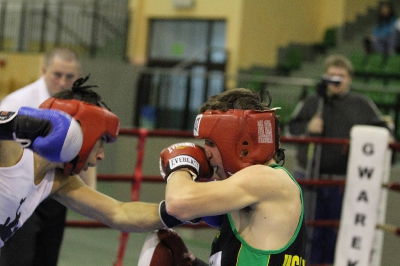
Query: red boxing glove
(188,156)
(181,255)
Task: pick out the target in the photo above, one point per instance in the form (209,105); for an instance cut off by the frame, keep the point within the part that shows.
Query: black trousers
(38,241)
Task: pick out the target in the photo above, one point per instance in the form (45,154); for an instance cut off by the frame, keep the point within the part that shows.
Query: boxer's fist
(188,156)
(52,134)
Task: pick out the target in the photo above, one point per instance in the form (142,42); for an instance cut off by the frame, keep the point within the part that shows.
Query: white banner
(362,205)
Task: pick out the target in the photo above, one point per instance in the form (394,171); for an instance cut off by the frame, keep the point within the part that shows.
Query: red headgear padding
(95,122)
(243,137)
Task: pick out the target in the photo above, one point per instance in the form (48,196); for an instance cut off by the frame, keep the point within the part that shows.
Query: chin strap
(280,156)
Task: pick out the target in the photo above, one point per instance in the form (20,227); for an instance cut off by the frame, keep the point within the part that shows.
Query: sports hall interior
(155,61)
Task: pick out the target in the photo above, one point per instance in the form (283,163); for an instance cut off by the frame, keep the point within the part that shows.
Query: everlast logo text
(183,160)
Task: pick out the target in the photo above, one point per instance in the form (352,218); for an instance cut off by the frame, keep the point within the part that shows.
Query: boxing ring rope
(137,177)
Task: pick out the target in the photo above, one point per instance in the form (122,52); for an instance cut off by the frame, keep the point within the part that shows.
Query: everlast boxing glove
(52,134)
(188,156)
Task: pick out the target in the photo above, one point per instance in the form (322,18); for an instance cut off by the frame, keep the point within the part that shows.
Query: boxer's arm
(186,199)
(188,157)
(124,216)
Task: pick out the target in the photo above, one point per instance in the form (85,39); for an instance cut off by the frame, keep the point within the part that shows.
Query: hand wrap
(170,221)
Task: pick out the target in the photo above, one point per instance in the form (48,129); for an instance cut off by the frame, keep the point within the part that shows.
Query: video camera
(334,80)
(322,85)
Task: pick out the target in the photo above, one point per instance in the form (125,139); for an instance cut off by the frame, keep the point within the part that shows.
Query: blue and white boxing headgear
(243,137)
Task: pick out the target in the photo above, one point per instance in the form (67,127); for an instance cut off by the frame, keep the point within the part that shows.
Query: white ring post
(364,202)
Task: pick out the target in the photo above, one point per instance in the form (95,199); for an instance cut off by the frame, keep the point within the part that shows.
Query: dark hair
(82,93)
(390,16)
(239,98)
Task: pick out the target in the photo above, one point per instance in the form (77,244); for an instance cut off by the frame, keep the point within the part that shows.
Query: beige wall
(268,25)
(255,28)
(18,71)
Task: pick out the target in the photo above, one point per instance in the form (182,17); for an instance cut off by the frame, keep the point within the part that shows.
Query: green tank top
(229,248)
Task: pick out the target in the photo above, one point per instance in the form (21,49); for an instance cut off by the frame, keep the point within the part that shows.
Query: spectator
(331,113)
(381,38)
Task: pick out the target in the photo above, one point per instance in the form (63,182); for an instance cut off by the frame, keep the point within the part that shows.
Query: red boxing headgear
(95,122)
(243,137)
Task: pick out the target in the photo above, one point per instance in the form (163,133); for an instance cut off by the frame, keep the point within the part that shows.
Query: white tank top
(18,194)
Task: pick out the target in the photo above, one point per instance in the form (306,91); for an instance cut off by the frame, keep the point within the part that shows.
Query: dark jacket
(340,114)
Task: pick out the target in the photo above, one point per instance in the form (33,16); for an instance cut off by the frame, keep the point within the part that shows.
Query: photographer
(330,112)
